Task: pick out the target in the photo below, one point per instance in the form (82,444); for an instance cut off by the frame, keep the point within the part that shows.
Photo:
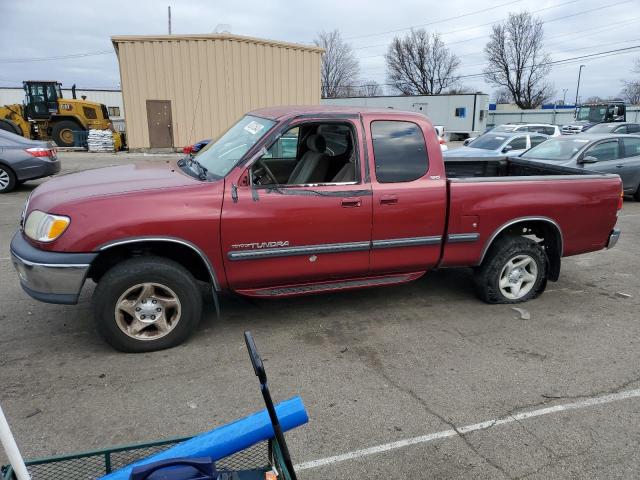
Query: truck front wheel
(514,271)
(62,132)
(147,303)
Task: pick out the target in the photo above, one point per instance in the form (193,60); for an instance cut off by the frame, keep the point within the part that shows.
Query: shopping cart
(268,459)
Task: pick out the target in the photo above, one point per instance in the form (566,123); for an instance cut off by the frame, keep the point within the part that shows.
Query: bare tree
(370,89)
(503,95)
(340,67)
(631,90)
(460,90)
(518,61)
(420,63)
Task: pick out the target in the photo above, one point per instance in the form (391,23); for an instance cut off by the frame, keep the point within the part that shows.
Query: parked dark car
(22,159)
(616,127)
(604,153)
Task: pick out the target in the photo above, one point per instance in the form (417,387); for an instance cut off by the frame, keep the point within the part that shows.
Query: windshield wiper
(202,171)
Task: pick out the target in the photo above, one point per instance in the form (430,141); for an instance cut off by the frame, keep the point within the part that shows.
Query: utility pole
(169,12)
(578,87)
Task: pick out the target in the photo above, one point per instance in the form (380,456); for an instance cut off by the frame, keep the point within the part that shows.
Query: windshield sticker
(253,127)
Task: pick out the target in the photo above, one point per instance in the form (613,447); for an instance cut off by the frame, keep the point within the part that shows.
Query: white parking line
(603,399)
(5,258)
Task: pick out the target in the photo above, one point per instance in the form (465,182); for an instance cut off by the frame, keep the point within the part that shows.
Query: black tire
(7,179)
(9,126)
(141,270)
(60,132)
(487,276)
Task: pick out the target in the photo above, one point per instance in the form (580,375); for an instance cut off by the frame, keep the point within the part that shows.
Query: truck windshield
(592,113)
(488,141)
(220,156)
(556,149)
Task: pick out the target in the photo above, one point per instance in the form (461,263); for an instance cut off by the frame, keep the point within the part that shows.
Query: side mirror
(506,149)
(588,159)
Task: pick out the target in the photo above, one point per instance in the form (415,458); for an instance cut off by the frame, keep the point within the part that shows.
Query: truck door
(313,227)
(409,195)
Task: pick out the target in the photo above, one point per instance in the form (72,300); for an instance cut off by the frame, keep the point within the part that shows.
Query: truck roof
(282,112)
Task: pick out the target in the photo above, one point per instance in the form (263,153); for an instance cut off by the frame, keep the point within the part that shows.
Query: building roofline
(117,39)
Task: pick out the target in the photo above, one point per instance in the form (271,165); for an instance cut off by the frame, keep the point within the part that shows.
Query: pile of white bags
(100,141)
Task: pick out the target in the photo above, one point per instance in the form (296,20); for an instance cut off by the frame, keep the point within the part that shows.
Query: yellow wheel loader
(45,114)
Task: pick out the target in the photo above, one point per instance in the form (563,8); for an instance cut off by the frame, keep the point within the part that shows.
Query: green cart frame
(267,456)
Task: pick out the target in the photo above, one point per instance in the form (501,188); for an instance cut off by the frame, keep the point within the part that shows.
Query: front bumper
(613,238)
(51,277)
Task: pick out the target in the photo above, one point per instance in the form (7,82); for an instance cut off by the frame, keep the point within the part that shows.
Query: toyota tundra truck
(300,200)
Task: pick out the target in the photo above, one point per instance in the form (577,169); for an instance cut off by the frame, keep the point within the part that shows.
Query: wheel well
(545,232)
(182,254)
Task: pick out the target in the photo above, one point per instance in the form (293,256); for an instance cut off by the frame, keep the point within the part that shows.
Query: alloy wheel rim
(4,179)
(148,311)
(518,277)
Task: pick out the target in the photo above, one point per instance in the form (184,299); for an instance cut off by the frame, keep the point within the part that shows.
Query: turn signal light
(188,149)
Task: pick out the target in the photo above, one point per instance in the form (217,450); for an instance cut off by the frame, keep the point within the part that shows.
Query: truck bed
(508,167)
(485,195)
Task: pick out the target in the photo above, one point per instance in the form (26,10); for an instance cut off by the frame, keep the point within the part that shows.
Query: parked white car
(544,128)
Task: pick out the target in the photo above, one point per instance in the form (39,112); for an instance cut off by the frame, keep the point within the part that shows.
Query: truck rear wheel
(62,132)
(514,271)
(145,304)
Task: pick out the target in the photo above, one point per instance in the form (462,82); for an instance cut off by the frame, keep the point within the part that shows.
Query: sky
(35,34)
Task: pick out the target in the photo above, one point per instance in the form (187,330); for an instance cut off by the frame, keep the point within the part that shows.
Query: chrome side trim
(303,250)
(406,242)
(614,236)
(180,241)
(519,220)
(462,237)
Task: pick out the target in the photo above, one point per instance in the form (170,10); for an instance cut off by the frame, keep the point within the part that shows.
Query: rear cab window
(400,151)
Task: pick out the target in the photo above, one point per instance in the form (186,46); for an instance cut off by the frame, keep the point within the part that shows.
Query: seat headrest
(316,143)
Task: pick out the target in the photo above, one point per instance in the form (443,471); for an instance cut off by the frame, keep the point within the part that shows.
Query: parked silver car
(617,127)
(22,159)
(544,128)
(497,145)
(603,153)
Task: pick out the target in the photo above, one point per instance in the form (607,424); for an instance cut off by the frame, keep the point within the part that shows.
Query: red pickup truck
(298,200)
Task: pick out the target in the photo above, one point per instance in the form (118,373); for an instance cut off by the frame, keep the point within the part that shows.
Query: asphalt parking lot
(386,369)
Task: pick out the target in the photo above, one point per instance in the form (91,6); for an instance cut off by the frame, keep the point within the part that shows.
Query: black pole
(578,88)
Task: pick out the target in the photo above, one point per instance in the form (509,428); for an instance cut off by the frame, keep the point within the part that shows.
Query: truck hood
(77,187)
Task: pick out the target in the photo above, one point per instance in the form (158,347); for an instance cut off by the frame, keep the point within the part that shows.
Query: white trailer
(461,115)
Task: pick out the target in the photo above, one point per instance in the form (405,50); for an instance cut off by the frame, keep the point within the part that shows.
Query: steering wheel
(264,173)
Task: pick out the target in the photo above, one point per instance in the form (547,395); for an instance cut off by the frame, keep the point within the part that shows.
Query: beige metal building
(178,89)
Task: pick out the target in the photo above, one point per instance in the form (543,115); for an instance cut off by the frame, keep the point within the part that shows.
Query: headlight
(44,227)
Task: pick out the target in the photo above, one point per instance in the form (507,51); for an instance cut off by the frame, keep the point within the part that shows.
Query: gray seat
(347,173)
(314,164)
